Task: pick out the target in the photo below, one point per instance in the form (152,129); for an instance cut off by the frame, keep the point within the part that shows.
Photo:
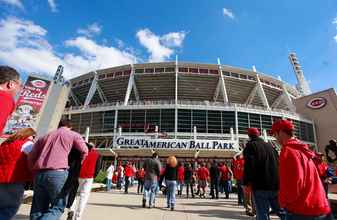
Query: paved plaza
(119,206)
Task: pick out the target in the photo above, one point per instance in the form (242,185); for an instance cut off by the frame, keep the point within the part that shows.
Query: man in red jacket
(238,167)
(10,85)
(301,191)
(128,175)
(89,170)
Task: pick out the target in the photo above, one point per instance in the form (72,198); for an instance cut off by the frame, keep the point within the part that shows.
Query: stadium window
(255,121)
(137,120)
(108,121)
(86,81)
(124,120)
(251,78)
(167,120)
(225,73)
(194,70)
(243,124)
(117,74)
(276,118)
(102,76)
(236,75)
(203,70)
(97,122)
(228,122)
(152,119)
(170,69)
(214,122)
(242,76)
(139,71)
(159,70)
(150,70)
(214,71)
(85,119)
(199,120)
(110,75)
(266,122)
(183,69)
(76,122)
(127,72)
(184,120)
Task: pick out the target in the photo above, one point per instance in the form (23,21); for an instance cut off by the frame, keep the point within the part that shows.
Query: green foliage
(101,177)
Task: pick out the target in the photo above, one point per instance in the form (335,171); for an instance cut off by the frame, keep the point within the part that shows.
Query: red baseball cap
(253,131)
(282,125)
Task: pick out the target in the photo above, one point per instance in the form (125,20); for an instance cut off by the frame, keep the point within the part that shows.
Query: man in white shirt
(109,175)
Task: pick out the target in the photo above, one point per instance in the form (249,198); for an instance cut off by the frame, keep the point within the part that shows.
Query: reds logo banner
(29,104)
(317,103)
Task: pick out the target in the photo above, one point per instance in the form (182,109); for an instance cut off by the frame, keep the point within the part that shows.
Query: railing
(180,102)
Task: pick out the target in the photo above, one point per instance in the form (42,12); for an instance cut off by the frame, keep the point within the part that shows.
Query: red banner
(29,104)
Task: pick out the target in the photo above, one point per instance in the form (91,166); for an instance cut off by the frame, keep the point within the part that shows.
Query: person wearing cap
(301,191)
(261,174)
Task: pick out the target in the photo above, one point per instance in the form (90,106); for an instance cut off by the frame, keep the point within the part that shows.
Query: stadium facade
(180,101)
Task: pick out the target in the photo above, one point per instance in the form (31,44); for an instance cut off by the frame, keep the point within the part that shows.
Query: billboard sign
(29,104)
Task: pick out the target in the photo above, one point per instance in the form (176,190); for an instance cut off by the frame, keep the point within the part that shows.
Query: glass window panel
(213,71)
(228,121)
(199,120)
(124,120)
(183,69)
(159,70)
(184,120)
(243,122)
(152,120)
(214,122)
(254,121)
(137,120)
(170,69)
(97,122)
(108,121)
(167,120)
(139,71)
(150,70)
(266,122)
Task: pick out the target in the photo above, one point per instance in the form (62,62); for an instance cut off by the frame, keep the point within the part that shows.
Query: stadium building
(132,110)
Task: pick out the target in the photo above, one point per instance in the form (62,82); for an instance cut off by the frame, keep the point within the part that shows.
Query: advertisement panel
(29,104)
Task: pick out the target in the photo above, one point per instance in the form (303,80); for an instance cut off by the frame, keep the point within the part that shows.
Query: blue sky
(36,36)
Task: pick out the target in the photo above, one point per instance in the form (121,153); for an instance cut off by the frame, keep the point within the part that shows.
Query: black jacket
(214,172)
(188,173)
(261,165)
(171,173)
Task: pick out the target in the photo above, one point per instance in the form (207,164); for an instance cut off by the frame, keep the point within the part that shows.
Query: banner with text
(148,143)
(29,104)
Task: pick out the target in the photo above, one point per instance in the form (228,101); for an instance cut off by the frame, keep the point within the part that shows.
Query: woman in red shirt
(128,174)
(203,176)
(181,172)
(14,171)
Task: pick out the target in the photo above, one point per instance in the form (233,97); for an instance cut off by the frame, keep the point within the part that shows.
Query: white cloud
(16,3)
(335,38)
(228,13)
(90,30)
(52,5)
(23,46)
(335,21)
(174,39)
(160,47)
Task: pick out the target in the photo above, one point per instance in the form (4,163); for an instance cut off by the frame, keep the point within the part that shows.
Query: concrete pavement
(119,206)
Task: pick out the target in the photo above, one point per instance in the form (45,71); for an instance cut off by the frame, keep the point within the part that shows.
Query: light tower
(303,85)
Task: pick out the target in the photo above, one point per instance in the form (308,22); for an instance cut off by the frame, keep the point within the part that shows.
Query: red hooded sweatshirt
(301,190)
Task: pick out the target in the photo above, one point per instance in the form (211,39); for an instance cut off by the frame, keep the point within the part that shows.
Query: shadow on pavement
(134,207)
(21,217)
(217,213)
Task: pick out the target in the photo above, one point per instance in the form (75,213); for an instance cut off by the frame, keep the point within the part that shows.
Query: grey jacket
(152,169)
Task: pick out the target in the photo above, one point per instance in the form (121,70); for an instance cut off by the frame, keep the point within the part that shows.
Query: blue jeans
(171,192)
(263,201)
(150,190)
(10,199)
(240,191)
(108,184)
(49,200)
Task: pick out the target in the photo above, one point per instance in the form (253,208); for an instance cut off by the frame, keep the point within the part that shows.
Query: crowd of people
(61,167)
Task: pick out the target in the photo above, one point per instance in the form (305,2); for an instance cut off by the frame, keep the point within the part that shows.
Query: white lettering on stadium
(143,143)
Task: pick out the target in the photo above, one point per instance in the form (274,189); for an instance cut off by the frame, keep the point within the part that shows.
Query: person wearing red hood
(301,191)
